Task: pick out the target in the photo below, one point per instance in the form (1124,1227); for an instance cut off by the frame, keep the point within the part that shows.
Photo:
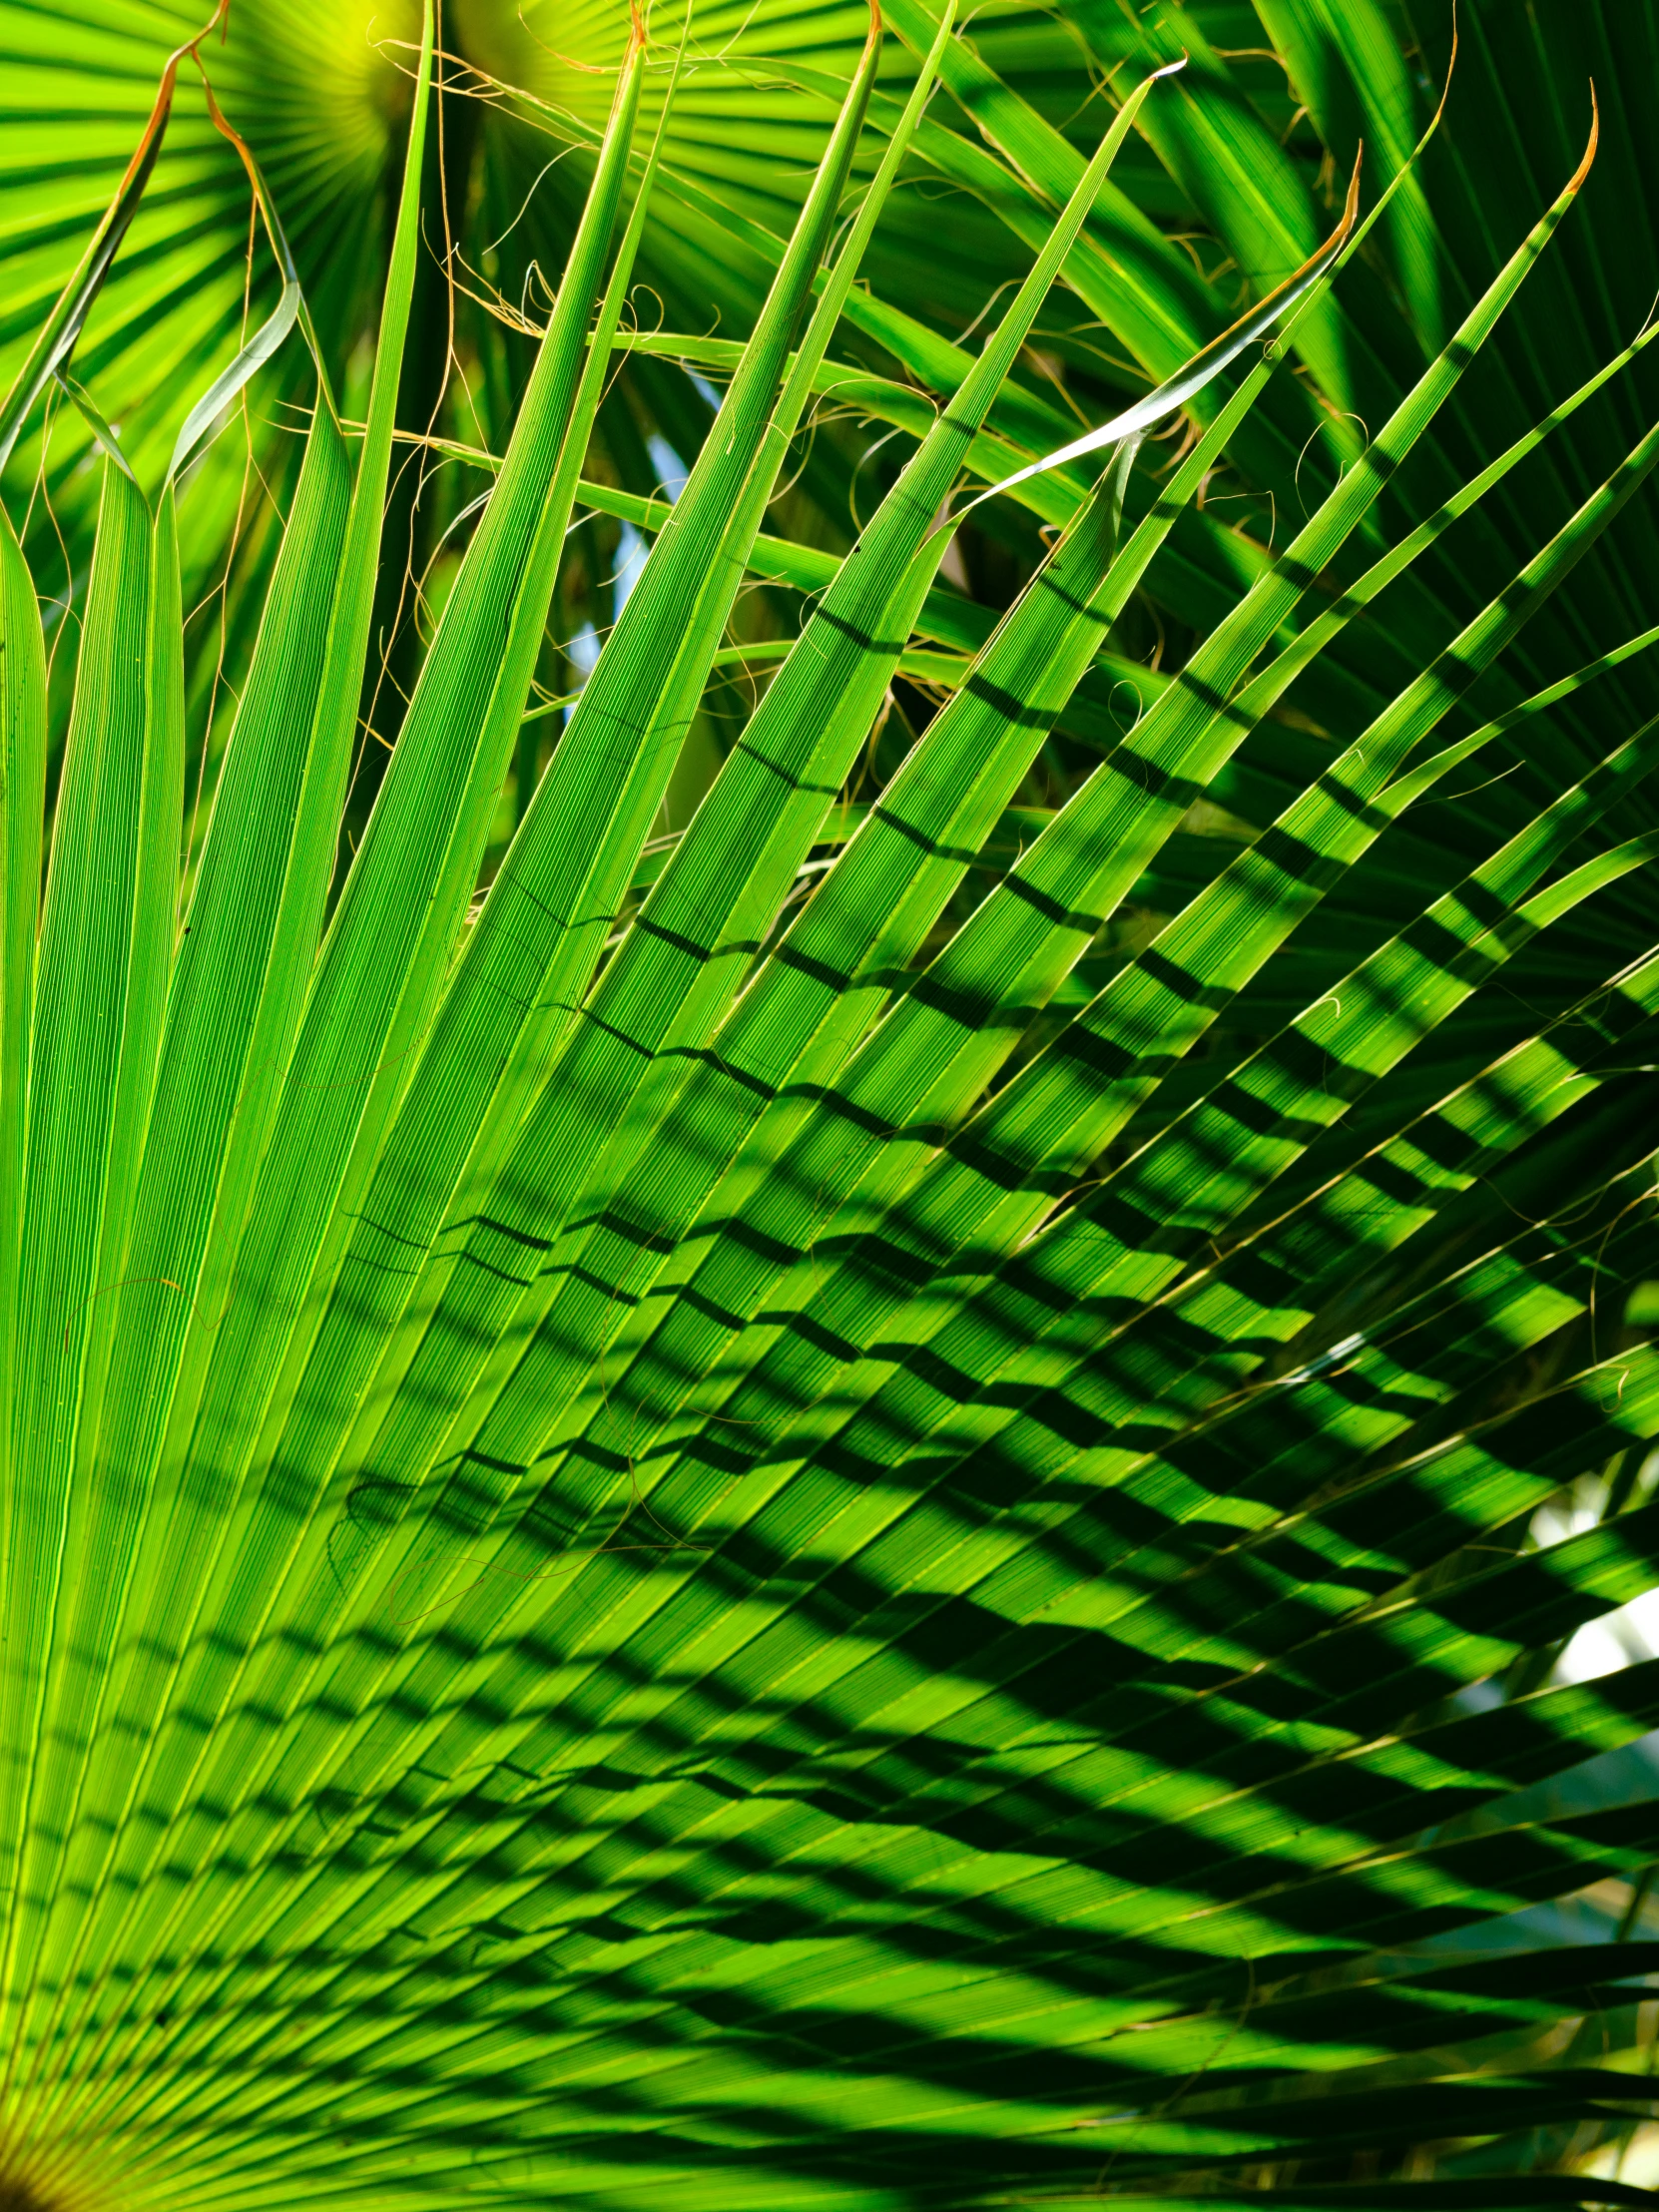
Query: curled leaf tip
(261,191)
(1583,170)
(1171,69)
(53,348)
(104,433)
(1204,366)
(1445,89)
(1351,207)
(144,153)
(876,26)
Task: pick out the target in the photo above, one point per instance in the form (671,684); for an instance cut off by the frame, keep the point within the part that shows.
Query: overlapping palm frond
(855,1447)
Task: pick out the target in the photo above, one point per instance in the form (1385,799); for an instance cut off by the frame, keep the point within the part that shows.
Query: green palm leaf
(893,1442)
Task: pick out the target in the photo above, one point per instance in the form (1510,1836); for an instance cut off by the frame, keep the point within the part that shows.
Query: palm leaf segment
(667,1547)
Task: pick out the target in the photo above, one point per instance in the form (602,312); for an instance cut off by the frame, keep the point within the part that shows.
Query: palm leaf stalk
(791,1511)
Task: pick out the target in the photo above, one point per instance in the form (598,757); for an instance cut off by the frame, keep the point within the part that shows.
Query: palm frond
(896,1443)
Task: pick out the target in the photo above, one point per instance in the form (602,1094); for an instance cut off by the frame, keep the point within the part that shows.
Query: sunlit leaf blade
(22,704)
(103,937)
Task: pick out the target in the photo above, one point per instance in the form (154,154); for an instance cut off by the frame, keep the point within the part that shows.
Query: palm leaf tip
(1205,366)
(52,350)
(1588,161)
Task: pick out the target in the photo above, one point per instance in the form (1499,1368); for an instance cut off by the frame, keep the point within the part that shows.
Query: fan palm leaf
(880,1474)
